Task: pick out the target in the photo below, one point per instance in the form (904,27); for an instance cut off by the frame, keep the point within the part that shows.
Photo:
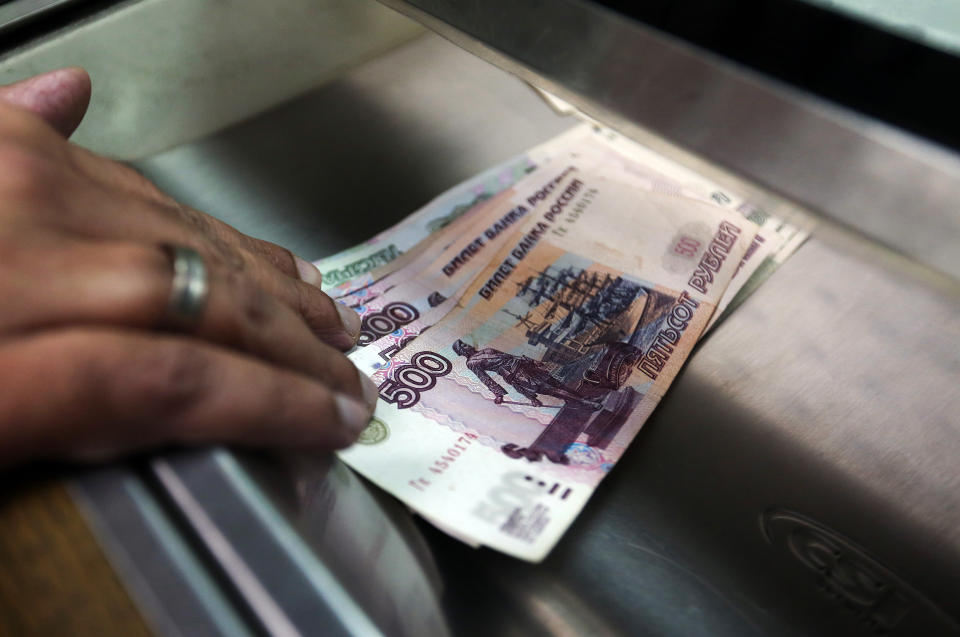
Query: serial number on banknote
(446,460)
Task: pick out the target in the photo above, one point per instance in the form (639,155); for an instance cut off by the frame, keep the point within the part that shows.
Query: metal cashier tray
(800,477)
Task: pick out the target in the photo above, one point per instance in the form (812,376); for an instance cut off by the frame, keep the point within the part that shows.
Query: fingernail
(349,318)
(353,414)
(308,272)
(370,391)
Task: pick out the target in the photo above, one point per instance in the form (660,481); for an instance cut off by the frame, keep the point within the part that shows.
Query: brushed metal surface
(895,187)
(832,394)
(333,168)
(167,72)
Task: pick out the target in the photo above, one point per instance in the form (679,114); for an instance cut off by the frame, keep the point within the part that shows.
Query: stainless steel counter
(799,478)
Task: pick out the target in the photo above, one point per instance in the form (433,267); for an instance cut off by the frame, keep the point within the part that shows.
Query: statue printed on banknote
(529,377)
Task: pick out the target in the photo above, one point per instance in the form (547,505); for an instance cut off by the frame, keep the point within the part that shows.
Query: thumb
(59,97)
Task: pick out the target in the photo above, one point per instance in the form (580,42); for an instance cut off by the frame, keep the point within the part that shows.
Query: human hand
(88,369)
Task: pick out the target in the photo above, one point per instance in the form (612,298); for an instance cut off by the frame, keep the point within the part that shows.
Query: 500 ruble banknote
(499,421)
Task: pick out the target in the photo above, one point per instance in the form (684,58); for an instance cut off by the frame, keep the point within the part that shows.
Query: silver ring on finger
(188,290)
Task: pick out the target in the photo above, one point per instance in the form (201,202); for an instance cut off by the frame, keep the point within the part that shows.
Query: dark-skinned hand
(89,370)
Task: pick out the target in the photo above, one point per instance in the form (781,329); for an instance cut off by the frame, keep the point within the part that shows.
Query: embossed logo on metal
(848,574)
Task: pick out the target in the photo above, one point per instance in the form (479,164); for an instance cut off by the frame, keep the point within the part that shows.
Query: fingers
(277,256)
(128,284)
(83,360)
(107,392)
(274,267)
(125,178)
(104,213)
(330,321)
(241,314)
(125,205)
(59,97)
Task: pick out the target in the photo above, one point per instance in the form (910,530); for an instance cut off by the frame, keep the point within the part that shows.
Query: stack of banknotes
(523,325)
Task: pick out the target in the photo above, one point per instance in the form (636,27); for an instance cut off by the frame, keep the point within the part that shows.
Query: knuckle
(278,256)
(342,374)
(194,218)
(226,255)
(171,380)
(280,401)
(141,185)
(256,306)
(316,308)
(216,239)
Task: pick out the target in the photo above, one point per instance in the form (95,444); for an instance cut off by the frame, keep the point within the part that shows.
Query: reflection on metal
(164,575)
(368,542)
(272,617)
(304,545)
(894,187)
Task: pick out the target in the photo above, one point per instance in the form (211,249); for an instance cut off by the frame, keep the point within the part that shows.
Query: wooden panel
(54,578)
